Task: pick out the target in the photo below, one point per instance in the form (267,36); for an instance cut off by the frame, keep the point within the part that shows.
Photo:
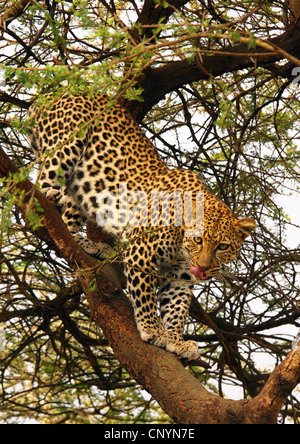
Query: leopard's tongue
(198,273)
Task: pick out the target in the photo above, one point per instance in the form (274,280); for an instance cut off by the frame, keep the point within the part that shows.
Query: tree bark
(9,14)
(295,11)
(157,82)
(181,395)
(152,13)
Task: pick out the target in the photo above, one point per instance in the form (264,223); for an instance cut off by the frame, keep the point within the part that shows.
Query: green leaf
(236,36)
(252,43)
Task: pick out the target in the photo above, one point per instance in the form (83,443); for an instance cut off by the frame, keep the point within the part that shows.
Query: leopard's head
(219,240)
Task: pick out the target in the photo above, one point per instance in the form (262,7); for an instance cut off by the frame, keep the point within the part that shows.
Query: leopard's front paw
(99,250)
(184,349)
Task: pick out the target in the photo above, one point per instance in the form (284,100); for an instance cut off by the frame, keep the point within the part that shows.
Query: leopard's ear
(245,226)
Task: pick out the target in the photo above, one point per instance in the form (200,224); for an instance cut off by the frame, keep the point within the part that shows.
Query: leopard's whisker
(230,279)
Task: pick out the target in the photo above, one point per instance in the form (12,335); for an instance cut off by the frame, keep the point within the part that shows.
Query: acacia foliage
(211,82)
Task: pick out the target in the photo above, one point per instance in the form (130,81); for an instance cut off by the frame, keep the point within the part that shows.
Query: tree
(213,85)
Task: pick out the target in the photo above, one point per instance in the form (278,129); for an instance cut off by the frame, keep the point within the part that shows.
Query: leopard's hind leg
(54,181)
(73,218)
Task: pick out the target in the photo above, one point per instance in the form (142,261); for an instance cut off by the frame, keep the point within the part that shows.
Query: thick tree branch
(9,14)
(6,98)
(281,383)
(152,13)
(161,373)
(157,82)
(295,10)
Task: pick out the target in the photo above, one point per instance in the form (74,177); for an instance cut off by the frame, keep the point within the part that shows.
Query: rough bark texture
(157,82)
(295,10)
(14,11)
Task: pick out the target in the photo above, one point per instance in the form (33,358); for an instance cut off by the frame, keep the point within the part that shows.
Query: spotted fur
(87,146)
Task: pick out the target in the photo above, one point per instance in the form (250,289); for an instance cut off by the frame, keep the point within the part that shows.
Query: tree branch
(6,98)
(279,386)
(17,8)
(152,13)
(295,10)
(157,82)
(161,373)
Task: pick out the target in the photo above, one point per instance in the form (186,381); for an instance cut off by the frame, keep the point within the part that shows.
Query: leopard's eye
(198,240)
(223,247)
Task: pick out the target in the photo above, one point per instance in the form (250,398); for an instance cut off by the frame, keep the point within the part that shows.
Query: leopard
(97,164)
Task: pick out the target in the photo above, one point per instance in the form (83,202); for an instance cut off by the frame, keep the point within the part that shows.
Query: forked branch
(179,393)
